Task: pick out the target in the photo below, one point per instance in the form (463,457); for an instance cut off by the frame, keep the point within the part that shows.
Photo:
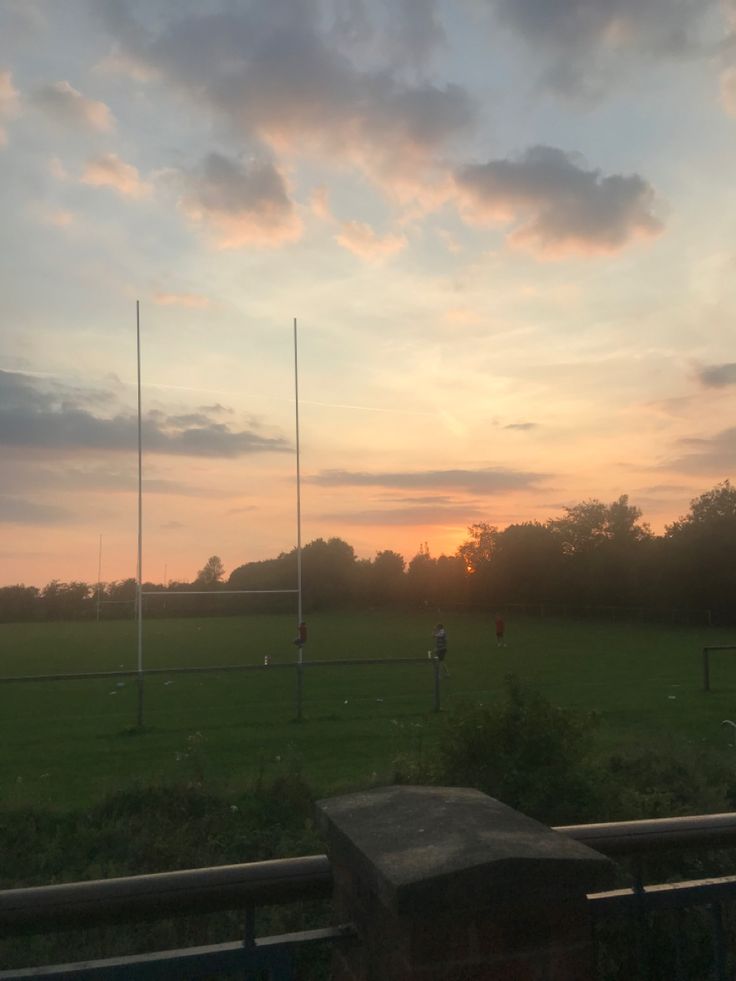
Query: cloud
(581,44)
(69,107)
(522,426)
(57,217)
(718,375)
(728,90)
(239,204)
(19,511)
(9,102)
(556,206)
(275,70)
(418,515)
(193,301)
(491,480)
(110,171)
(712,455)
(52,417)
(362,240)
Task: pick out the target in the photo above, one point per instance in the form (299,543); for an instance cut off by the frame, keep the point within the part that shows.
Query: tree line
(593,555)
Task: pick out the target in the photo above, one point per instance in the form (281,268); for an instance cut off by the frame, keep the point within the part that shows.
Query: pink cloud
(9,102)
(110,171)
(193,301)
(68,106)
(239,205)
(362,240)
(728,90)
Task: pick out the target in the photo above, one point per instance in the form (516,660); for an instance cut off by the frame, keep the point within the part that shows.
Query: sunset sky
(507,229)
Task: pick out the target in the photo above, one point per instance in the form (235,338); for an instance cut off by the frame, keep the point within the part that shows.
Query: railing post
(447,883)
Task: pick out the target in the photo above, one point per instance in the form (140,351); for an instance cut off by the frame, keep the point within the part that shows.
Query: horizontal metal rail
(629,837)
(283,880)
(664,896)
(267,953)
(163,894)
(207,669)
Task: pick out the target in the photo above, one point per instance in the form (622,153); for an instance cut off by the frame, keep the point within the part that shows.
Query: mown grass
(68,744)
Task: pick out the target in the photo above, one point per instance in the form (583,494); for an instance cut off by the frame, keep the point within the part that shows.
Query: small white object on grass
(121,684)
(345,702)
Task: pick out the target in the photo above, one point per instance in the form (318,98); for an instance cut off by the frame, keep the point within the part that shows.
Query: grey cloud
(558,204)
(27,475)
(711,455)
(242,203)
(223,185)
(16,510)
(35,416)
(718,375)
(522,426)
(277,74)
(485,481)
(582,43)
(65,105)
(407,516)
(659,25)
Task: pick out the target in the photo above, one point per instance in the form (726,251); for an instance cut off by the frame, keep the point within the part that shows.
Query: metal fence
(299,667)
(641,951)
(670,931)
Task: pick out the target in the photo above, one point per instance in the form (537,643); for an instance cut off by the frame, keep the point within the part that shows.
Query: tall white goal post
(140,593)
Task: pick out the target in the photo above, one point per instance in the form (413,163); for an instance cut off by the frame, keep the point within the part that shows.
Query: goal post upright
(139,583)
(300,648)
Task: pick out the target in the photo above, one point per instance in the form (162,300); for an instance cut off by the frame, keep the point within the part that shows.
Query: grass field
(65,744)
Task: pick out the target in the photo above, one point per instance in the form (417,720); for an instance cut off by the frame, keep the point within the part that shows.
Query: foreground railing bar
(668,895)
(163,894)
(626,837)
(197,962)
(208,669)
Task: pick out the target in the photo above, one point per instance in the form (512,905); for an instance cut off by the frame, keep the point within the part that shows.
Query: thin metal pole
(99,578)
(298,489)
(300,661)
(140,519)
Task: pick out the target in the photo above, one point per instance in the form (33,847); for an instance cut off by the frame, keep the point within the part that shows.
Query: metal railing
(638,905)
(167,894)
(298,666)
(247,887)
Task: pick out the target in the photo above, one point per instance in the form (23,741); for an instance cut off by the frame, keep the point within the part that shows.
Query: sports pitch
(68,743)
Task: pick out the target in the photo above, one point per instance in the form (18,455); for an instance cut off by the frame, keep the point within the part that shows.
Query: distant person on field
(440,647)
(500,631)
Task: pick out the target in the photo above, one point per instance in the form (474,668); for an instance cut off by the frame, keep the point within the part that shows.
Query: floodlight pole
(300,662)
(139,591)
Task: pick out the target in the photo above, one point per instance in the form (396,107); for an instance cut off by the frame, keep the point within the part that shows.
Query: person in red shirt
(500,631)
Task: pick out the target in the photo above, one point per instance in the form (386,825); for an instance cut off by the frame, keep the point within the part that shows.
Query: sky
(507,229)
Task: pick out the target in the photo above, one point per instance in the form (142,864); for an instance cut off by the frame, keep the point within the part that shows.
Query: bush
(526,752)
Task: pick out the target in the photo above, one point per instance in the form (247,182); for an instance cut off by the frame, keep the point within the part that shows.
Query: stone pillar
(447,884)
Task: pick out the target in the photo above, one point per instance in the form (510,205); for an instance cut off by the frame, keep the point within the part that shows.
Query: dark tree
(211,573)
